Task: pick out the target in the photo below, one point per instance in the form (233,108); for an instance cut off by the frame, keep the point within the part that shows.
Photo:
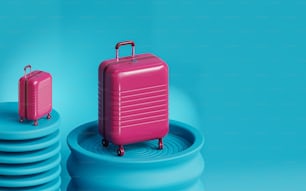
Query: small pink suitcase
(35,95)
(133,99)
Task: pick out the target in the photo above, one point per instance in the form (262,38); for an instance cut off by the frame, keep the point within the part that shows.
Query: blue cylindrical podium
(29,155)
(178,167)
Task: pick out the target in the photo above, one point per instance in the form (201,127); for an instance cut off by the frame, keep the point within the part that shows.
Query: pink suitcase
(35,95)
(133,99)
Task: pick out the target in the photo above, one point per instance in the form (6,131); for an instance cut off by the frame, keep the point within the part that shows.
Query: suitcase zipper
(103,101)
(26,93)
(26,98)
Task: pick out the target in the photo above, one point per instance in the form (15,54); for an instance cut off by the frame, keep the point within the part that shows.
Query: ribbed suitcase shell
(35,96)
(133,99)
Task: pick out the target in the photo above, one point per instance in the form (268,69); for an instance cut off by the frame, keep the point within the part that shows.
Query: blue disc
(30,180)
(178,166)
(30,168)
(30,156)
(12,129)
(29,144)
(53,185)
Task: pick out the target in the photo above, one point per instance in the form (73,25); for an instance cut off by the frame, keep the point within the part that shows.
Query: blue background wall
(237,73)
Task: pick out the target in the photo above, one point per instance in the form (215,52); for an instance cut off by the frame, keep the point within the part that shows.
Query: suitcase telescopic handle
(129,42)
(25,69)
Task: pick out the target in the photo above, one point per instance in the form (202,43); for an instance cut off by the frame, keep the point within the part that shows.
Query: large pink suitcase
(35,95)
(133,99)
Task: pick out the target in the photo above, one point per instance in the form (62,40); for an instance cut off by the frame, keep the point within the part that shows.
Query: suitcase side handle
(129,42)
(25,70)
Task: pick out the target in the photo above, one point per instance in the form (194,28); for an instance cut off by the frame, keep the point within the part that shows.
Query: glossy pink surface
(35,95)
(133,99)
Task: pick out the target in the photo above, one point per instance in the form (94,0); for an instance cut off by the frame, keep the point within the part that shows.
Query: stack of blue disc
(29,155)
(177,167)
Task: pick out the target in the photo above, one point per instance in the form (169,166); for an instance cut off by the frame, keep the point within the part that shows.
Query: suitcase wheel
(48,116)
(105,142)
(120,151)
(35,122)
(160,144)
